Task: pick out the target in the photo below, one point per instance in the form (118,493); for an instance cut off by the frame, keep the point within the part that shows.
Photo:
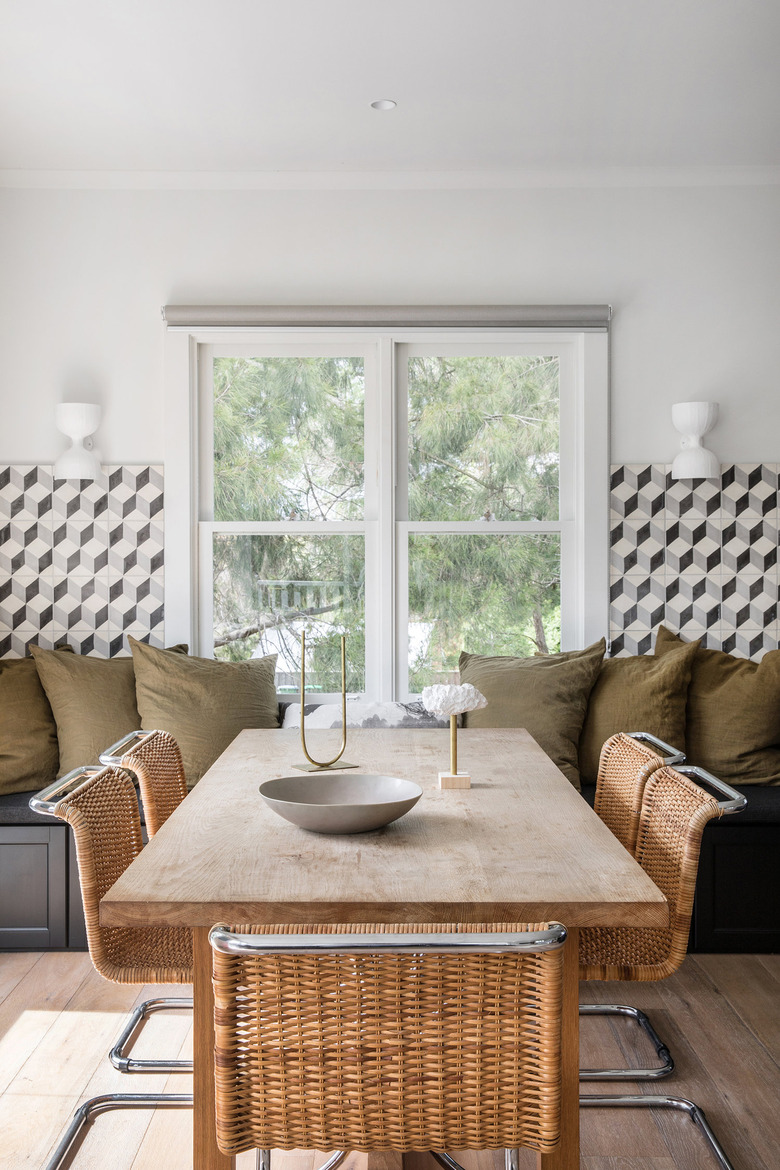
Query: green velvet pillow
(733,715)
(29,754)
(93,701)
(641,693)
(203,703)
(547,695)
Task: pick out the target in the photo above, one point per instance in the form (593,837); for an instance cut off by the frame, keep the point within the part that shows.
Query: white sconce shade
(77,420)
(694,420)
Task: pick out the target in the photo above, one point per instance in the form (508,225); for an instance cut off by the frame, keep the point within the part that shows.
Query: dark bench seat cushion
(763,804)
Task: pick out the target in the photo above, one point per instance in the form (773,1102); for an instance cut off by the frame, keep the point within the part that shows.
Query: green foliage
(288,438)
(483,438)
(288,444)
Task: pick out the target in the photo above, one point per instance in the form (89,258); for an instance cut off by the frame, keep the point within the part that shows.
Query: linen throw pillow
(363,713)
(29,755)
(733,714)
(201,702)
(547,695)
(640,693)
(93,701)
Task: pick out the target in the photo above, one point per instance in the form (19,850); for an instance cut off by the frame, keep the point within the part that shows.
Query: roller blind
(595,318)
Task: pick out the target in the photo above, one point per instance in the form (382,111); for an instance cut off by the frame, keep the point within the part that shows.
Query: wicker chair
(371,1038)
(627,761)
(625,765)
(101,807)
(673,816)
(154,759)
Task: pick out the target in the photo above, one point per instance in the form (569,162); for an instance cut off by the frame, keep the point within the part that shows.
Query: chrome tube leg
(336,1158)
(628,1074)
(656,1101)
(445,1160)
(263,1160)
(128,1064)
(95,1105)
(511,1159)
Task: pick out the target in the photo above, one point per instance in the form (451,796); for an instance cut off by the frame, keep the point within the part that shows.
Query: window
(420,492)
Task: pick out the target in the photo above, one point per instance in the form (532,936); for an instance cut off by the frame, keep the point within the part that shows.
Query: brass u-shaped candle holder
(316,765)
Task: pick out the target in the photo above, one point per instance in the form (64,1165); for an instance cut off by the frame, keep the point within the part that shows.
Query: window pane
(267,589)
(288,438)
(481,593)
(483,438)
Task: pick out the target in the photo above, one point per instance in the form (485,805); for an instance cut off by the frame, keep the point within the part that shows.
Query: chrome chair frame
(231,943)
(44,802)
(114,754)
(658,1101)
(670,755)
(103,1104)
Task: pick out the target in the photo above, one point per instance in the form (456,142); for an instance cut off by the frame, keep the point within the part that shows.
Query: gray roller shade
(591,317)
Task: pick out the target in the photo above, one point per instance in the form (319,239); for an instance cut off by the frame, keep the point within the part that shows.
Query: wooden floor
(720,1015)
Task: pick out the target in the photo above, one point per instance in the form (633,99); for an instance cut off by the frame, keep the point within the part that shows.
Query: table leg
(567,1155)
(205,1152)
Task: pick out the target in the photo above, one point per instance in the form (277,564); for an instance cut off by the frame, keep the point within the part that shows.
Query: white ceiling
(481,85)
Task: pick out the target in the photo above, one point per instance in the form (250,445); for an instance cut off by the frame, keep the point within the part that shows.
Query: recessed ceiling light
(384,104)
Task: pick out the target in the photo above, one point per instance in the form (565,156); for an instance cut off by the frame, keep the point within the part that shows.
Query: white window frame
(584,516)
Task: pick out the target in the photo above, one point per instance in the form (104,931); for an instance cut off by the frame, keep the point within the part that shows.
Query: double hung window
(420,492)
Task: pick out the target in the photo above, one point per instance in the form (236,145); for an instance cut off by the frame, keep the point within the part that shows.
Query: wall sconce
(694,420)
(78,420)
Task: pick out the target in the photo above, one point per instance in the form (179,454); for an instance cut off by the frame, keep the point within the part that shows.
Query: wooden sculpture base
(454,780)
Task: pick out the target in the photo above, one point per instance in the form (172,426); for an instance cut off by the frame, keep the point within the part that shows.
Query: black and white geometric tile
(81,561)
(708,547)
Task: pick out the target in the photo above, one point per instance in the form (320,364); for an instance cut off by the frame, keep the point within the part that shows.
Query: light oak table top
(519,845)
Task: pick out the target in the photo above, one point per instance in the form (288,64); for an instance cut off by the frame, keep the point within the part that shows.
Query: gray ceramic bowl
(342,803)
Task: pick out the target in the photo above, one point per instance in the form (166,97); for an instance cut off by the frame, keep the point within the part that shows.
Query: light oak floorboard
(15,969)
(58,1019)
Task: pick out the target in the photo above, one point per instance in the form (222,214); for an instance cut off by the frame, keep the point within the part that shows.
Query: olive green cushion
(637,694)
(203,703)
(29,755)
(547,695)
(93,701)
(733,715)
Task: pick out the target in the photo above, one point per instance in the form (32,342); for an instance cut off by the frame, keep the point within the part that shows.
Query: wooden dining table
(520,845)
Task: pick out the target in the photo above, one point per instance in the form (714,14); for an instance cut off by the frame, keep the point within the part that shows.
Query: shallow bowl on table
(354,803)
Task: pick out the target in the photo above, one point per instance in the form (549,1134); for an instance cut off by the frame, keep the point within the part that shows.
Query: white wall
(692,275)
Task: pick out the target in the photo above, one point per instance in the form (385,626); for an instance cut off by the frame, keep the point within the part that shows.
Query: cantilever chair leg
(447,1162)
(656,1101)
(628,1074)
(95,1105)
(128,1064)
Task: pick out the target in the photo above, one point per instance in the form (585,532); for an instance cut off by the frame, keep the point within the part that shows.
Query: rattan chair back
(376,1051)
(103,813)
(625,765)
(674,813)
(156,762)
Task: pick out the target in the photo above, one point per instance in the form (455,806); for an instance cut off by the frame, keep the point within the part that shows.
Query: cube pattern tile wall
(699,556)
(81,562)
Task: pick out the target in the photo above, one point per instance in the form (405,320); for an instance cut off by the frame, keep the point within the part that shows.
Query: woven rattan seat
(378,1051)
(103,813)
(153,757)
(625,765)
(673,815)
